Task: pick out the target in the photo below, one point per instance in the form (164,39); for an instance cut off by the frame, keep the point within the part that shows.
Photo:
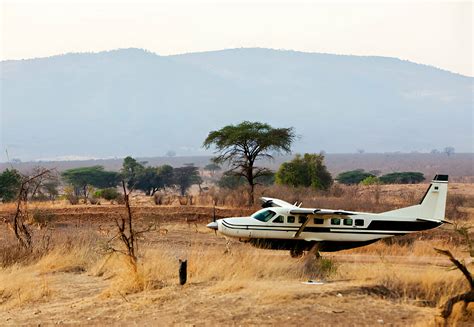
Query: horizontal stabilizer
(435,220)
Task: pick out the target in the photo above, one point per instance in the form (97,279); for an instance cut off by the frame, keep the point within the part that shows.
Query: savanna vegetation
(118,262)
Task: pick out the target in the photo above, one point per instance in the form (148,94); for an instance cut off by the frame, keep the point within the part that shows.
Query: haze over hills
(135,102)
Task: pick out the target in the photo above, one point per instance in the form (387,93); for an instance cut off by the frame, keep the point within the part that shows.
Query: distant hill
(135,102)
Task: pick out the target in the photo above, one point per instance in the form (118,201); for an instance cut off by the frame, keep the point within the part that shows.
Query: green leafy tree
(152,179)
(184,177)
(403,178)
(96,176)
(240,146)
(131,169)
(307,170)
(165,173)
(353,176)
(10,181)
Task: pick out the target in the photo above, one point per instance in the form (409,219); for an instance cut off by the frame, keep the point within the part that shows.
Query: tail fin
(432,205)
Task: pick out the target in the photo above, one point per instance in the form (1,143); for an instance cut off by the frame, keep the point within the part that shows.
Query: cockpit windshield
(264,215)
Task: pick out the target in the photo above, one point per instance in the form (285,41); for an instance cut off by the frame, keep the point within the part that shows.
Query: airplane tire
(296,253)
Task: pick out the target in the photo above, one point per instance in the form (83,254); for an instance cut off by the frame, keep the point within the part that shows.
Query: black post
(183,271)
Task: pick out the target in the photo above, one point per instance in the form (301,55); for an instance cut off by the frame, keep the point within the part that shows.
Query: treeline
(92,183)
(240,147)
(360,176)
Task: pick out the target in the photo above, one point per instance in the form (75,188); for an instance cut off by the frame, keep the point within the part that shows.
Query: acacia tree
(184,177)
(81,178)
(240,146)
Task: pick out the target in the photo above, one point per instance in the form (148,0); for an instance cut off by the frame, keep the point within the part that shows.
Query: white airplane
(284,226)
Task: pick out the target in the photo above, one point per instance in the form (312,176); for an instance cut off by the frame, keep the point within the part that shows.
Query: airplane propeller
(213,225)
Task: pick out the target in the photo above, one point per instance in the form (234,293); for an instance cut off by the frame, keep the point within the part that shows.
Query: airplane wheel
(296,253)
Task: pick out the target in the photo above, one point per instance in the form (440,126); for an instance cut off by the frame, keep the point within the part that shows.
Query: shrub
(308,171)
(108,194)
(402,178)
(353,176)
(371,180)
(42,217)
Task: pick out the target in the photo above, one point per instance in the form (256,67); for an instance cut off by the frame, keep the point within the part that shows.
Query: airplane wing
(271,202)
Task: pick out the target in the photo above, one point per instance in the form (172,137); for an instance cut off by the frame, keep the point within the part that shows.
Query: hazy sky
(438,33)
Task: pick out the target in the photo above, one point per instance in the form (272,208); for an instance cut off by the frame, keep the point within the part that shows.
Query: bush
(308,171)
(108,194)
(319,268)
(353,177)
(42,217)
(72,199)
(403,178)
(371,180)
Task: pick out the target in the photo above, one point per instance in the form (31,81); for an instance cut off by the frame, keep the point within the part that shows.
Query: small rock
(89,318)
(339,295)
(37,312)
(380,321)
(337,311)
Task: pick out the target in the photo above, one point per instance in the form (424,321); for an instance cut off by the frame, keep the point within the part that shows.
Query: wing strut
(303,225)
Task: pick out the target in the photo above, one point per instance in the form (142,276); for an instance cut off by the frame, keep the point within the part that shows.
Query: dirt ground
(80,297)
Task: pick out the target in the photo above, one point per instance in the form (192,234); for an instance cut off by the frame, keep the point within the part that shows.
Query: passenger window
(290,219)
(347,222)
(318,221)
(302,219)
(278,219)
(359,222)
(335,221)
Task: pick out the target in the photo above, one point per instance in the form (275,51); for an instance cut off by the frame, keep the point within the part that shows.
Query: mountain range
(134,102)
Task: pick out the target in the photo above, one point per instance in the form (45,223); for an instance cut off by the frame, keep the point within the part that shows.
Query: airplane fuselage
(285,226)
(333,234)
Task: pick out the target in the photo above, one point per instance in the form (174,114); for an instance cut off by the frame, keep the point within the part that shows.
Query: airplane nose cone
(212,225)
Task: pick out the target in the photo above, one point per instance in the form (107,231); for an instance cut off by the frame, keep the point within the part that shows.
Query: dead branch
(458,265)
(20,229)
(467,297)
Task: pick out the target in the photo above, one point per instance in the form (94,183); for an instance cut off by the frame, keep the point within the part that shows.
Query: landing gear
(313,253)
(296,253)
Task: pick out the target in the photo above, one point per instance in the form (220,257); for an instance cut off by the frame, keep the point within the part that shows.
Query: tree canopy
(81,178)
(184,177)
(10,181)
(146,179)
(307,170)
(242,145)
(353,176)
(402,178)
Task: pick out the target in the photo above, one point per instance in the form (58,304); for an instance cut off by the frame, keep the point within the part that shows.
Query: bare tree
(126,232)
(20,227)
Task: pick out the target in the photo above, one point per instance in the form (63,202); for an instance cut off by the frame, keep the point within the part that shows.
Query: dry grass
(25,275)
(405,272)
(430,286)
(20,285)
